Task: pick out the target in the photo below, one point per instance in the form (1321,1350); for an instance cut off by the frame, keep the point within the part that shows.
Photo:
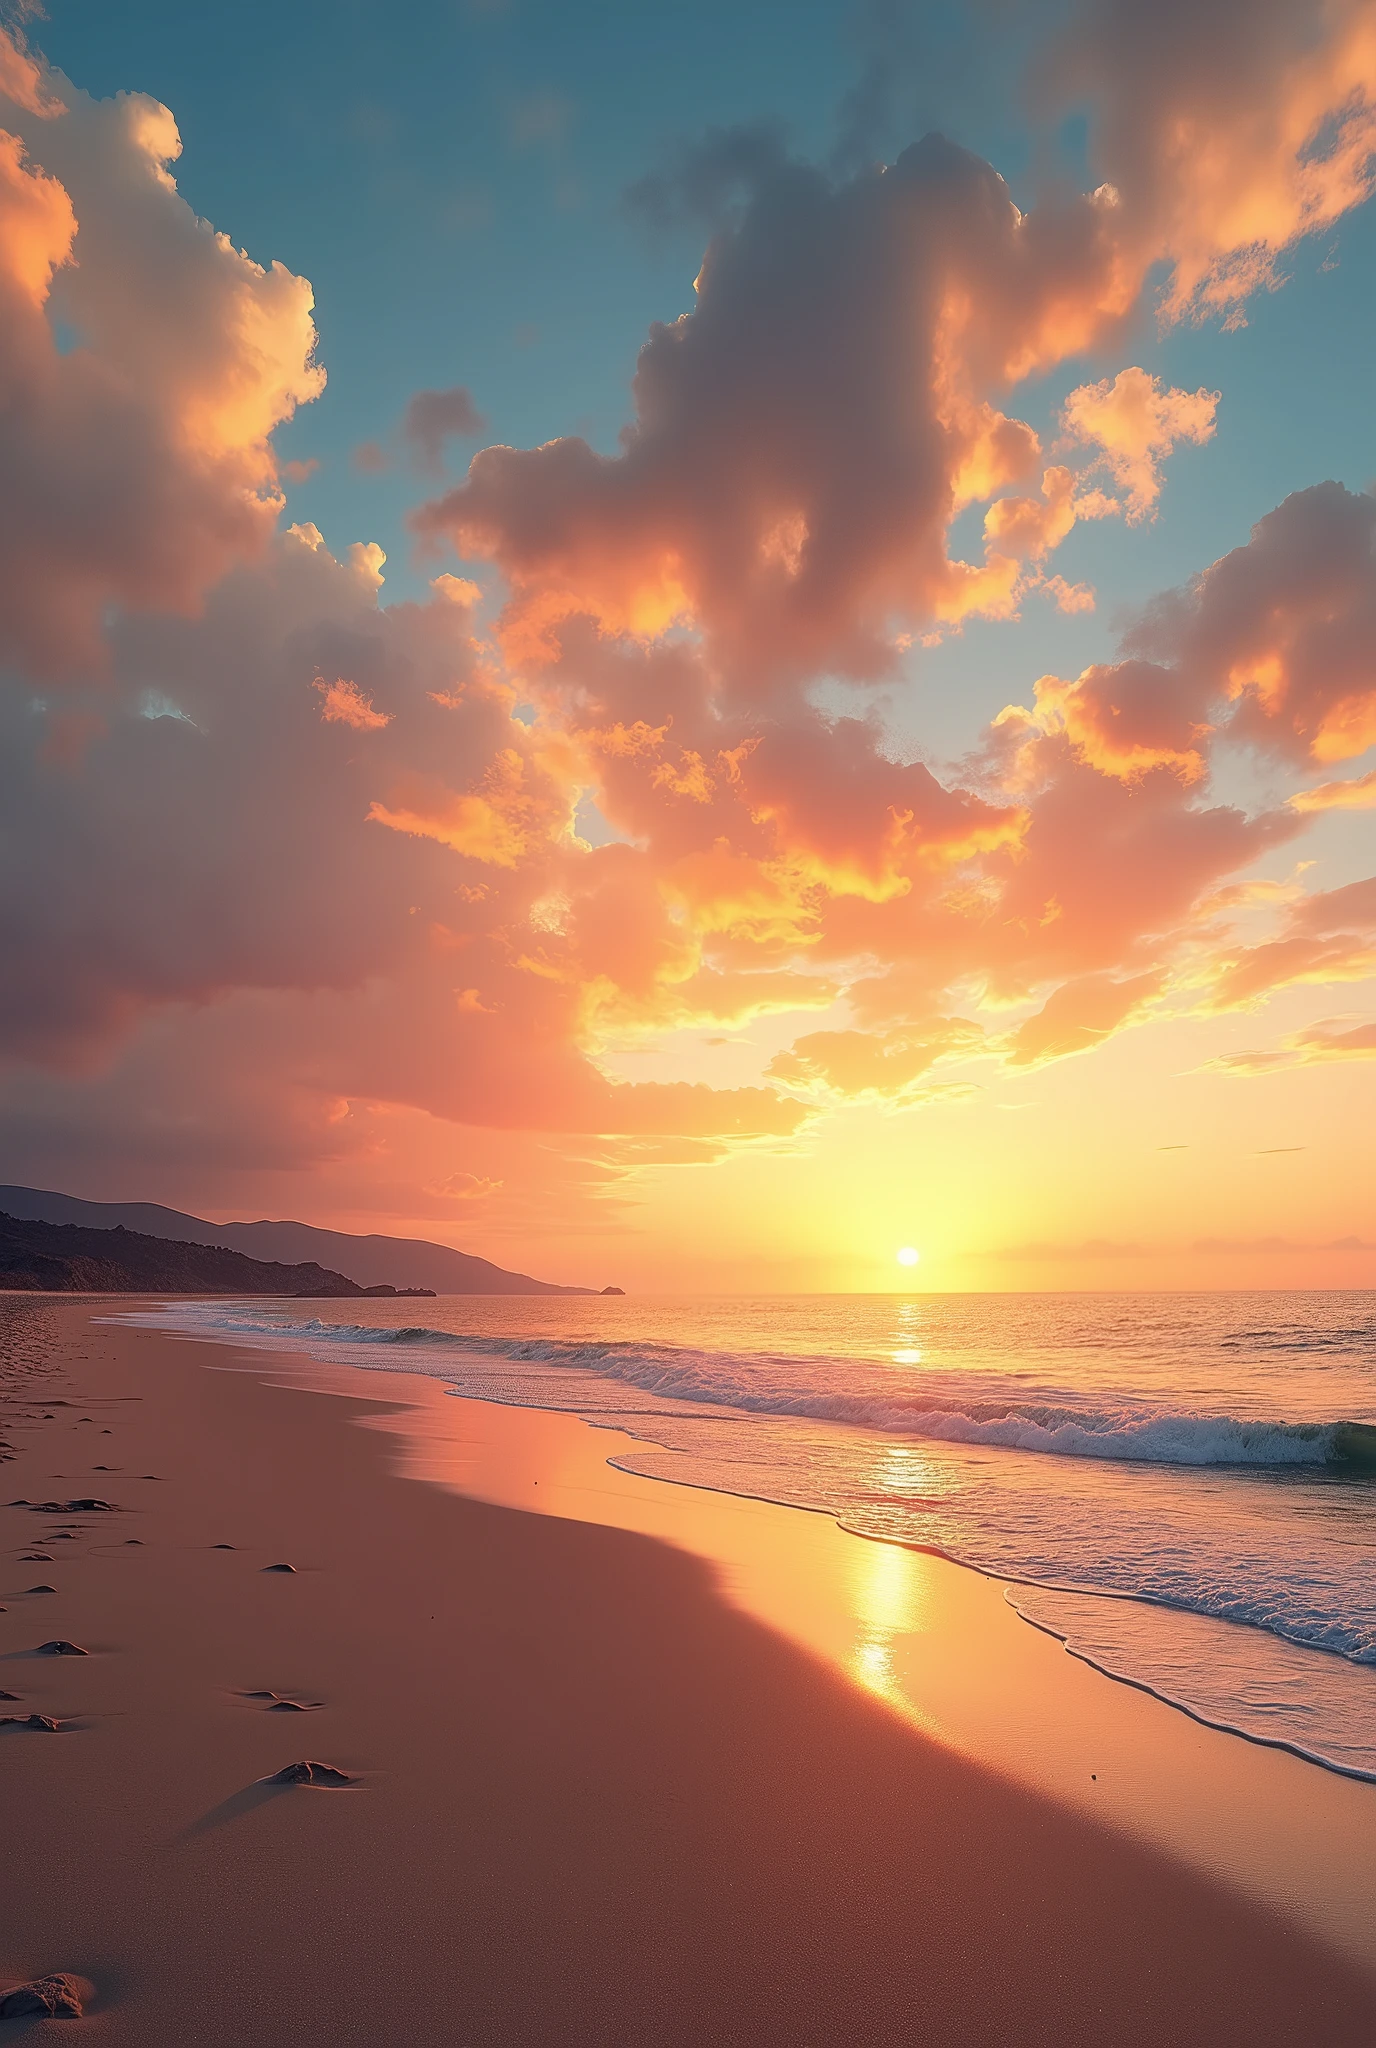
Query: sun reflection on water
(907,1327)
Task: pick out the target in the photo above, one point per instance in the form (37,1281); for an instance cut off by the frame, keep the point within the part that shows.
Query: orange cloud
(1136,421)
(1079,1016)
(499,823)
(345,704)
(1226,135)
(858,1064)
(1357,795)
(1328,937)
(1126,720)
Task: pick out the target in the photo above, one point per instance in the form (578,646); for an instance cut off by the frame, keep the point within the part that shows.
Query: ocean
(1181,1487)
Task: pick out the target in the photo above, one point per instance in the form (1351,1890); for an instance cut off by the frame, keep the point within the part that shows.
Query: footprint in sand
(40,1589)
(41,1724)
(308,1773)
(60,1648)
(279,1703)
(35,1557)
(280,1568)
(222,1546)
(10,1695)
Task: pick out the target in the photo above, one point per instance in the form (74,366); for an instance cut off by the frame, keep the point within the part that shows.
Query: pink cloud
(138,462)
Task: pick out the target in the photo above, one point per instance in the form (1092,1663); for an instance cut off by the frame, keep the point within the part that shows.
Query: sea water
(1182,1487)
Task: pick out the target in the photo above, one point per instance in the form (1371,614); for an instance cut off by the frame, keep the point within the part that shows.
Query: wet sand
(592,1799)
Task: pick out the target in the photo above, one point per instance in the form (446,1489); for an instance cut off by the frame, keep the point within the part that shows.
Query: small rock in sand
(279,1568)
(59,1648)
(43,1722)
(309,1774)
(50,1998)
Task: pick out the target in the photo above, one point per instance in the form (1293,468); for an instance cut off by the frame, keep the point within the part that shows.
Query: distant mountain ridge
(66,1258)
(373,1261)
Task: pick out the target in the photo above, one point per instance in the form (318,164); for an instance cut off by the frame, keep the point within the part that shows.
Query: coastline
(599,1800)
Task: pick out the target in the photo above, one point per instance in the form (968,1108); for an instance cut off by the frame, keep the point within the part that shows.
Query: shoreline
(600,1800)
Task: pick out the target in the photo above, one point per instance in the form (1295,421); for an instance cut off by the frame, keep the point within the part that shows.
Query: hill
(401,1262)
(65,1258)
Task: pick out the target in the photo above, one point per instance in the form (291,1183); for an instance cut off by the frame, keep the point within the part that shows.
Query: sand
(589,1797)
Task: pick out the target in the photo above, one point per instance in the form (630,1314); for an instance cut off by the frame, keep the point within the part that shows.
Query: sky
(685,646)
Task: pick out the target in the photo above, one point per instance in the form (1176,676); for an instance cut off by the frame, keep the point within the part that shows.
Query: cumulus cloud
(1136,421)
(1272,645)
(138,459)
(306,868)
(804,438)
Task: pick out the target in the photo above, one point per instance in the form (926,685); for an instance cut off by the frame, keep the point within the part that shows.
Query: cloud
(1331,1042)
(856,1064)
(805,437)
(313,891)
(1080,1015)
(1137,421)
(1325,938)
(434,417)
(345,704)
(138,463)
(1227,133)
(1270,646)
(1357,795)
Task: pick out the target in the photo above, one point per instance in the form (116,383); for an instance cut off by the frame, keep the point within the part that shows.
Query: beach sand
(596,1798)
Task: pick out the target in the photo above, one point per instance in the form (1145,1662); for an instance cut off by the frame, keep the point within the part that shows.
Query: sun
(907,1256)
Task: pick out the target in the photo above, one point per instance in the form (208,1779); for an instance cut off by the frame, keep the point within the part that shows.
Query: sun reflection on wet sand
(888,1597)
(931,1640)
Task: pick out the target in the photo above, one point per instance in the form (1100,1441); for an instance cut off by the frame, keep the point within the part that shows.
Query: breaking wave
(1135,1432)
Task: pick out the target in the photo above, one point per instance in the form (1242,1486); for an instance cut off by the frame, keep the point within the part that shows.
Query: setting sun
(908,1257)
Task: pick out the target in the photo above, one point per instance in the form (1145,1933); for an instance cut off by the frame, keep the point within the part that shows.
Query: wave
(764,1384)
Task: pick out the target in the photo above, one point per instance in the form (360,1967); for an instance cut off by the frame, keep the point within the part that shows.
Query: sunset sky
(684,645)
